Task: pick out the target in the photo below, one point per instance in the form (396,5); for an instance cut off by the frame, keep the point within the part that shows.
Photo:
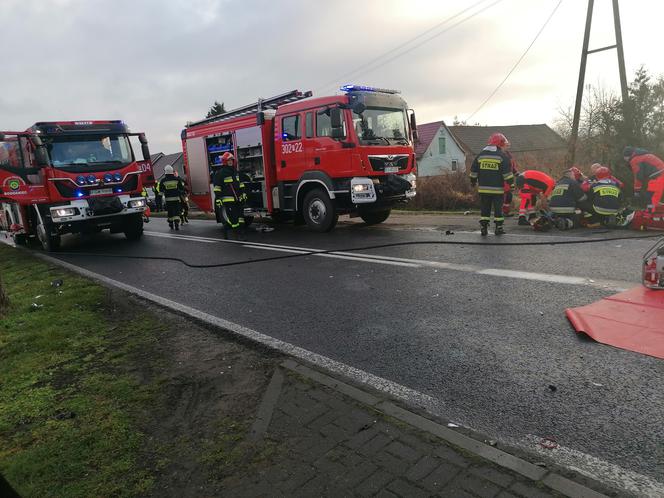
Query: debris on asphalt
(540,464)
(596,384)
(491,442)
(452,424)
(449,232)
(548,443)
(541,313)
(552,388)
(466,213)
(57,283)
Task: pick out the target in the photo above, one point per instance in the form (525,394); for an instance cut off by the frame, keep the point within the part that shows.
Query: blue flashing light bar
(79,193)
(363,88)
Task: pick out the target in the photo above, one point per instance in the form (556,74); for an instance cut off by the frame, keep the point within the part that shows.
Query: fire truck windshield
(381,126)
(81,153)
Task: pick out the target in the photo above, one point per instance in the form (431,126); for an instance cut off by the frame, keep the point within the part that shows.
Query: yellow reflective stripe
(562,210)
(485,218)
(508,176)
(499,218)
(241,185)
(217,189)
(605,212)
(172,199)
(228,180)
(228,199)
(490,190)
(171,184)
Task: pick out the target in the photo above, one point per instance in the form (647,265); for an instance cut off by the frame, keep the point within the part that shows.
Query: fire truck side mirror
(146,151)
(142,138)
(41,156)
(260,118)
(413,125)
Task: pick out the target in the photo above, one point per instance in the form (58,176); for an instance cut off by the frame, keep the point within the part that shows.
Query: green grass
(69,410)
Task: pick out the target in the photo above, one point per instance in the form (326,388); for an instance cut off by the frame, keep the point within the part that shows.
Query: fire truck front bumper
(97,209)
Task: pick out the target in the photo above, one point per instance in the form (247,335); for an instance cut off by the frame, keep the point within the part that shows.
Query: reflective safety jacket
(537,182)
(228,188)
(490,169)
(645,166)
(566,196)
(172,188)
(606,197)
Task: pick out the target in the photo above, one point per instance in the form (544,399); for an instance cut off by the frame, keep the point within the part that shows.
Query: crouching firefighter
(532,183)
(229,196)
(489,171)
(606,196)
(566,198)
(172,188)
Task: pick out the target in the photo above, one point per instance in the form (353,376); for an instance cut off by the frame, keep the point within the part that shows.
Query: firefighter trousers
(489,203)
(528,201)
(232,215)
(173,209)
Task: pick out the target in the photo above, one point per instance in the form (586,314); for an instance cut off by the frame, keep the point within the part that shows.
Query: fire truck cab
(311,159)
(72,177)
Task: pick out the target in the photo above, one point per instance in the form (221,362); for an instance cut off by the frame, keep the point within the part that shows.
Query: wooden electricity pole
(582,75)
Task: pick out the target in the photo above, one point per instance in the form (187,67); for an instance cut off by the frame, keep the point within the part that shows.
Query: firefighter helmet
(520,181)
(499,140)
(602,172)
(168,169)
(594,168)
(226,158)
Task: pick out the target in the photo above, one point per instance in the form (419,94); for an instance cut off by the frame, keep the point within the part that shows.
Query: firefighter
(566,197)
(605,194)
(648,172)
(173,188)
(532,183)
(489,171)
(593,175)
(157,198)
(229,195)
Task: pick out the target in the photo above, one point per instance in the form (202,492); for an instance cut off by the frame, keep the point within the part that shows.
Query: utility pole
(582,75)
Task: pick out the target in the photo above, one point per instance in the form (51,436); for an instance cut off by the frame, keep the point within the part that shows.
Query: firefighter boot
(170,224)
(499,228)
(523,221)
(484,228)
(177,224)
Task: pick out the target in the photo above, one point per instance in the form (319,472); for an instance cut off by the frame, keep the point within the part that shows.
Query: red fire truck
(72,177)
(311,159)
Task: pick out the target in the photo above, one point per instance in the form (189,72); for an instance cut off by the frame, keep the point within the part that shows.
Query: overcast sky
(159,63)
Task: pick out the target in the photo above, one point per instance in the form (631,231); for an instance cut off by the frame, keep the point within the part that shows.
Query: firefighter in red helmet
(489,171)
(568,196)
(229,195)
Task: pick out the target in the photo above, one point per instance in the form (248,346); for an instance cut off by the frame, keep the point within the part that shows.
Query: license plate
(101,191)
(391,169)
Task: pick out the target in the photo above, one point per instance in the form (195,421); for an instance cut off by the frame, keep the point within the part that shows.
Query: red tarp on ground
(632,320)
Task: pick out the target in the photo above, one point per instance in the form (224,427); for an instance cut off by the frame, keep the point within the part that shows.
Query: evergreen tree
(216,109)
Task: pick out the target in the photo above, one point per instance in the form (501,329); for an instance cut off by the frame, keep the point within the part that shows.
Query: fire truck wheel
(133,228)
(375,217)
(49,243)
(318,211)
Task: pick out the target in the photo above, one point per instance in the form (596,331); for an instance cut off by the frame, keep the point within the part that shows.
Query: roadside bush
(446,192)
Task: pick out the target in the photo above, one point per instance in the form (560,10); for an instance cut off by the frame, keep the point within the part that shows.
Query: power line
(363,68)
(517,62)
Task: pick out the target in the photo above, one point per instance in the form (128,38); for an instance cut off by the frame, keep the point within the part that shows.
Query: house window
(455,165)
(441,145)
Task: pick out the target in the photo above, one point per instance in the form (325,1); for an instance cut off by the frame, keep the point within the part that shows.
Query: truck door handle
(283,164)
(316,160)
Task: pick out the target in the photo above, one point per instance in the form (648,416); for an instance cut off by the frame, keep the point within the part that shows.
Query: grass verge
(69,404)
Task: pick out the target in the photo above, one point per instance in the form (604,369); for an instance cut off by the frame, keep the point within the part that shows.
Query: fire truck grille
(379,163)
(69,190)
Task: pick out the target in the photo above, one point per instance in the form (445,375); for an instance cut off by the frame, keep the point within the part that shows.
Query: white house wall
(434,163)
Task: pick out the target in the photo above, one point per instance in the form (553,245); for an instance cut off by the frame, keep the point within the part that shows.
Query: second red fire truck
(311,159)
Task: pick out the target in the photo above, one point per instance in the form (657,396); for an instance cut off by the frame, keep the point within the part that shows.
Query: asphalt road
(438,319)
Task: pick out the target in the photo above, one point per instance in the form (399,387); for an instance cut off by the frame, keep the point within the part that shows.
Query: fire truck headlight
(136,203)
(108,178)
(62,212)
(92,179)
(81,180)
(117,177)
(412,179)
(360,187)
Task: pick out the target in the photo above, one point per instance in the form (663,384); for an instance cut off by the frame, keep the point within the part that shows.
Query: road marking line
(607,285)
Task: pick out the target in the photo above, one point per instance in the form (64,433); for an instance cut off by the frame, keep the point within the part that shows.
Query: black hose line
(306,252)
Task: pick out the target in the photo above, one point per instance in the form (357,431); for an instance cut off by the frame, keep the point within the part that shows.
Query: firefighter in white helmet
(172,188)
(230,196)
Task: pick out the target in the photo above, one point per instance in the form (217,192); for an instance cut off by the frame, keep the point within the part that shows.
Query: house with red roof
(437,150)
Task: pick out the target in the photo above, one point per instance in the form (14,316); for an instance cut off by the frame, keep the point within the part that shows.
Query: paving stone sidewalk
(331,445)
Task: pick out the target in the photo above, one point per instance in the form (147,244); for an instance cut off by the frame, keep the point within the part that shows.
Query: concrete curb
(334,371)
(533,472)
